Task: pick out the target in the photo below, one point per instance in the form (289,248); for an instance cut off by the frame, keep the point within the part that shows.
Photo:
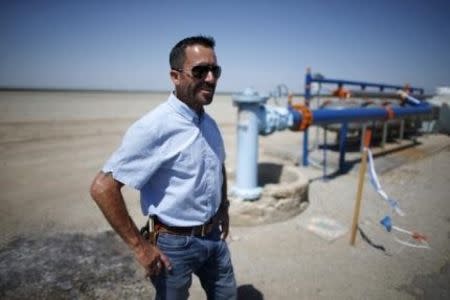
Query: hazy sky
(126,44)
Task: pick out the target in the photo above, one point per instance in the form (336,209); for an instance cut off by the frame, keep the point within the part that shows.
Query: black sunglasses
(201,71)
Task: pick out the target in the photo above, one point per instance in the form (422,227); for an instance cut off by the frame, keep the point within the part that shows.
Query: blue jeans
(207,257)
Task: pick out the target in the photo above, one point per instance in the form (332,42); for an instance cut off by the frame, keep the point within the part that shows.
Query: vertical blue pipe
(305,148)
(248,124)
(342,140)
(308,81)
(247,139)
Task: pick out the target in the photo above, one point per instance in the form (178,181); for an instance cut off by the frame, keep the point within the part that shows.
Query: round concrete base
(284,195)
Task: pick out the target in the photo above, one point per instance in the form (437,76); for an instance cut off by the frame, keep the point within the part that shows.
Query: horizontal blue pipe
(327,116)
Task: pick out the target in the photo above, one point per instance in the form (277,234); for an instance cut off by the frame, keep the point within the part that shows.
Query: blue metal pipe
(342,143)
(254,117)
(325,153)
(328,116)
(248,127)
(308,81)
(363,85)
(247,135)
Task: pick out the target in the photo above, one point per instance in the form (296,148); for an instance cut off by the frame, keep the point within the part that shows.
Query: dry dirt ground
(55,243)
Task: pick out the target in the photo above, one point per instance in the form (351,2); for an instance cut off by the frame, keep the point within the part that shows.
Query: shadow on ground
(248,292)
(349,164)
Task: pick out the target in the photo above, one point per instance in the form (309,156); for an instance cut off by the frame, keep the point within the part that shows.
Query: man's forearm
(107,194)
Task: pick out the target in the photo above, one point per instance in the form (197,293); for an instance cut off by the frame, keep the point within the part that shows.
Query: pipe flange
(307,116)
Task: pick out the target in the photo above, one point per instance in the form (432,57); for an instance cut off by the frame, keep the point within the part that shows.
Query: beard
(196,95)
(204,93)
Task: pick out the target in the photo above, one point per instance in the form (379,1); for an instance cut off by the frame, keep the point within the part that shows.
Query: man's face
(194,91)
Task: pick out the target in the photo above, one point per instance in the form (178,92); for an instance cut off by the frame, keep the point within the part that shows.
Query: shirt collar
(184,110)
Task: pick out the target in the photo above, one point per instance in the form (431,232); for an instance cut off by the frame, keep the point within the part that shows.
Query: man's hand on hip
(151,258)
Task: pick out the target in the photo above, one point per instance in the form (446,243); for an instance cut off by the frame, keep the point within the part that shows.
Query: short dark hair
(178,54)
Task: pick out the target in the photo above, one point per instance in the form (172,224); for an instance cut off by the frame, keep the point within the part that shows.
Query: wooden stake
(362,173)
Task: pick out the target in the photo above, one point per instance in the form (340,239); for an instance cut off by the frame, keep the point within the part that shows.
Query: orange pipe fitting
(307,116)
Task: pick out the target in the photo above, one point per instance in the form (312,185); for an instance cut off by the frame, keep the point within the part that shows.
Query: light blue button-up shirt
(174,158)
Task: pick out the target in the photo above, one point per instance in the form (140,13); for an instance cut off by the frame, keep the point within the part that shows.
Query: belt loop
(151,223)
(203,230)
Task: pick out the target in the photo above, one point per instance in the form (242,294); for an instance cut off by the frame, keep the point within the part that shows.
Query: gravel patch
(71,266)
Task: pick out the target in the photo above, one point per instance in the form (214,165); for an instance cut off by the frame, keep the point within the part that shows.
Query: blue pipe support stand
(248,125)
(308,96)
(342,144)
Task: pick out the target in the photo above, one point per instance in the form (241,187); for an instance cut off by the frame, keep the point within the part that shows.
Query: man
(174,156)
